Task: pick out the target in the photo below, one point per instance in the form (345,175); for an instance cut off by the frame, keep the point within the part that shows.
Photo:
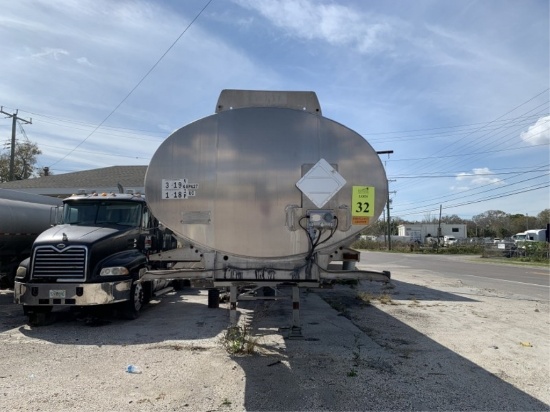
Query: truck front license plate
(57,294)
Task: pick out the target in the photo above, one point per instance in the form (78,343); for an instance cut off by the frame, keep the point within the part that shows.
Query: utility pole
(14,118)
(388,202)
(389,221)
(388,152)
(439,226)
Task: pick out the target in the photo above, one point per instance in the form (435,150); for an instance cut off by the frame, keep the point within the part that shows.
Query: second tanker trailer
(23,216)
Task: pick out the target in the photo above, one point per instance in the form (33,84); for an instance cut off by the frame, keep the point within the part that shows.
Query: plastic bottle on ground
(132,369)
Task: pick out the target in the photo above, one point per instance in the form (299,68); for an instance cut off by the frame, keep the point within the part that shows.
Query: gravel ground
(423,343)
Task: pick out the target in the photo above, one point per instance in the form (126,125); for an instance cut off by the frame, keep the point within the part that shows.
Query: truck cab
(96,255)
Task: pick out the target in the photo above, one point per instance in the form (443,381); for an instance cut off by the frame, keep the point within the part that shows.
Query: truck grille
(53,263)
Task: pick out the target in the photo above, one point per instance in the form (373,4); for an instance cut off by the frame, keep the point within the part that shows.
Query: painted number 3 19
(362,207)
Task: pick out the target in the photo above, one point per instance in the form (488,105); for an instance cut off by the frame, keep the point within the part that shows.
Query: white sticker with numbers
(178,189)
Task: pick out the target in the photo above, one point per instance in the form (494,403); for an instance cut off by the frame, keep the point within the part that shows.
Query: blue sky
(457,89)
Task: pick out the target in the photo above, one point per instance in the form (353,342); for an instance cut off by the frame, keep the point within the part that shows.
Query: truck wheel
(132,307)
(38,315)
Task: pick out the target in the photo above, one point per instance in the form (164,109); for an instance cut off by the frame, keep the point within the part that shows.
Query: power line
(137,85)
(456,149)
(470,124)
(508,194)
(469,154)
(449,133)
(100,153)
(459,157)
(440,175)
(438,199)
(82,123)
(107,133)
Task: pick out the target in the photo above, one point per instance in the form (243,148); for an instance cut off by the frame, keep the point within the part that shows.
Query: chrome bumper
(71,294)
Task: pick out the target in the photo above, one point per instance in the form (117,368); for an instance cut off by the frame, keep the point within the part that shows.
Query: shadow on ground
(382,364)
(174,316)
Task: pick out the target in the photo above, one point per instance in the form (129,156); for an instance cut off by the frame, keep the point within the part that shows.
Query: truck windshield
(87,213)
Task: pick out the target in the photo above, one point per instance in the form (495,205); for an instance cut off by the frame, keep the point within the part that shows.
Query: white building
(420,231)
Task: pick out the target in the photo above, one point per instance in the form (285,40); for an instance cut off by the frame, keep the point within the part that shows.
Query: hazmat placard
(362,201)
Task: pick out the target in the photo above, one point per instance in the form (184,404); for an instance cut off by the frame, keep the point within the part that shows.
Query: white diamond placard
(321,183)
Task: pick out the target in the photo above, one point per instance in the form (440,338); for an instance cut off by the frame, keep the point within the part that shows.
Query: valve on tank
(321,219)
(318,221)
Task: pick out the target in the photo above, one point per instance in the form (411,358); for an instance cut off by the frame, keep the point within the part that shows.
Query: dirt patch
(422,344)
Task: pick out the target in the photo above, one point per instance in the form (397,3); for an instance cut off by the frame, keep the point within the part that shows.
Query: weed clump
(369,298)
(238,340)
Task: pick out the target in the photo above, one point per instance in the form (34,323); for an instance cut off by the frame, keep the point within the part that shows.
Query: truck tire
(131,308)
(38,315)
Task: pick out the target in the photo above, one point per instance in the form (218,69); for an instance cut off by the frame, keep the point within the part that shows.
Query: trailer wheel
(132,307)
(213,298)
(180,284)
(147,288)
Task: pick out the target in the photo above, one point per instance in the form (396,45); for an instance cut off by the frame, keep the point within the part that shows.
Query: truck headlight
(114,271)
(21,272)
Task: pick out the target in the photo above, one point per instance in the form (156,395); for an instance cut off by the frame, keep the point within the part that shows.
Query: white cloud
(335,24)
(84,61)
(52,53)
(478,177)
(539,133)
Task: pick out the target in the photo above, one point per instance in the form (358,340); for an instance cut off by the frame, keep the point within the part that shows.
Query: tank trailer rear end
(263,193)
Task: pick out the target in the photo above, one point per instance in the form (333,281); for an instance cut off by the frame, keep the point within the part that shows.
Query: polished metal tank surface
(227,181)
(22,217)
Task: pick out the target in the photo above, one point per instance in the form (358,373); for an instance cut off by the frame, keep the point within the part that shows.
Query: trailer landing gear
(295,328)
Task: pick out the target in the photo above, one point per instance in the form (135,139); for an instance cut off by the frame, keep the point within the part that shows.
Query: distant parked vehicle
(449,240)
(533,235)
(536,235)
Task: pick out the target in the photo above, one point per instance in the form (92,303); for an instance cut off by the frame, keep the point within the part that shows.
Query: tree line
(492,223)
(24,162)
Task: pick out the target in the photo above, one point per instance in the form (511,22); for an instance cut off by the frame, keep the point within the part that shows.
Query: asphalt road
(531,282)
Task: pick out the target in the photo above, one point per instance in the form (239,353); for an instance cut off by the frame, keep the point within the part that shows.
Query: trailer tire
(180,284)
(147,292)
(131,308)
(213,298)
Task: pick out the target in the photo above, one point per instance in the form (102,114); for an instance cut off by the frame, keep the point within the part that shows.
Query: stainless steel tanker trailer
(264,192)
(23,216)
